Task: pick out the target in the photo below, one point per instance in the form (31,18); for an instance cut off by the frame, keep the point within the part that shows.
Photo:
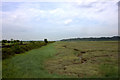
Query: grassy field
(29,64)
(92,59)
(84,59)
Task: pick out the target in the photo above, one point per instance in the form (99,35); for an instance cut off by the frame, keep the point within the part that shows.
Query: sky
(59,20)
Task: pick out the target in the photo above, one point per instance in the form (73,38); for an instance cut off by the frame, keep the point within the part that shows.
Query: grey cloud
(101,10)
(87,5)
(90,4)
(118,4)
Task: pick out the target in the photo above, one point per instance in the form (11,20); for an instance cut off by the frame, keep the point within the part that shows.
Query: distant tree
(17,41)
(12,41)
(32,41)
(21,42)
(45,40)
(4,41)
(8,41)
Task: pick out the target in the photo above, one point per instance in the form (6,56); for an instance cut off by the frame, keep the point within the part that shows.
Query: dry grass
(92,59)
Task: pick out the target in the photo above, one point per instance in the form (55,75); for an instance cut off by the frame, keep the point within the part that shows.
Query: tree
(17,41)
(45,40)
(12,41)
(21,42)
(4,41)
(8,41)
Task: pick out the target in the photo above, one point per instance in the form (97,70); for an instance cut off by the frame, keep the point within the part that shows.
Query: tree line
(114,38)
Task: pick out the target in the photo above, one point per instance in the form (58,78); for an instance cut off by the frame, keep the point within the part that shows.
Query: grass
(109,71)
(0,69)
(85,59)
(0,62)
(81,59)
(29,64)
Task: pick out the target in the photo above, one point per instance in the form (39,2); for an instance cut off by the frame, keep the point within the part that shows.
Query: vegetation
(17,47)
(84,59)
(114,38)
(62,59)
(45,40)
(30,64)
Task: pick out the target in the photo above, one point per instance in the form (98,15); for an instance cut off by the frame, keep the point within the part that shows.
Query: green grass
(29,64)
(0,69)
(109,71)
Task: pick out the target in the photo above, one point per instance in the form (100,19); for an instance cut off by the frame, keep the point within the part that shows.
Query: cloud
(118,4)
(56,11)
(51,18)
(68,21)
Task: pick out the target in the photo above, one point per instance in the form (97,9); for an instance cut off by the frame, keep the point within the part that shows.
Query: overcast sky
(59,20)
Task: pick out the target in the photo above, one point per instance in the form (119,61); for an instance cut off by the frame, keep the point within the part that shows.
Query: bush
(6,52)
(21,48)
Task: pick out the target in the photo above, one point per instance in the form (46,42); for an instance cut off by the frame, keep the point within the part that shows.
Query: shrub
(45,40)
(21,48)
(6,52)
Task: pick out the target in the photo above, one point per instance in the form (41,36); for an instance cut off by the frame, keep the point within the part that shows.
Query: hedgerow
(21,48)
